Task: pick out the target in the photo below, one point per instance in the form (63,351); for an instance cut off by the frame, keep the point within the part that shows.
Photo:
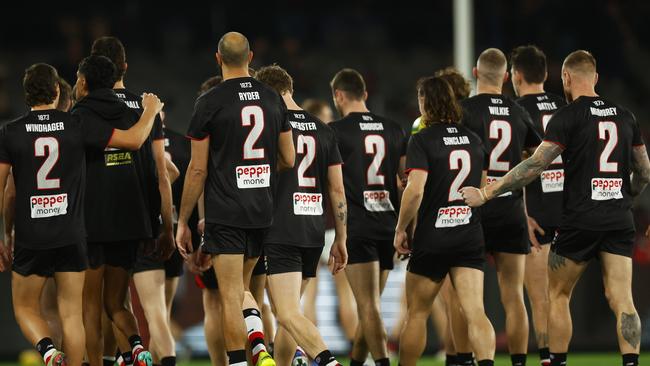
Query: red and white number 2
(608,131)
(501,131)
(253,115)
(459,160)
(376,146)
(50,144)
(306,145)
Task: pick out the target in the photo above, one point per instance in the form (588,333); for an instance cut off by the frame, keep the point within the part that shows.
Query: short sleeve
(285,125)
(333,153)
(96,134)
(637,139)
(533,139)
(4,149)
(403,142)
(556,129)
(198,129)
(416,157)
(157,132)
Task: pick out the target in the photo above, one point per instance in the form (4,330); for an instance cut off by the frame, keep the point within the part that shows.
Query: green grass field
(577,359)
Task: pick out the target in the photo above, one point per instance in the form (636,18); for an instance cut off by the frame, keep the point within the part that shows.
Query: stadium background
(170,51)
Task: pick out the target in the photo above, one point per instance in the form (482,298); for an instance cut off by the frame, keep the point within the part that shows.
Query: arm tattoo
(631,329)
(640,168)
(529,169)
(342,213)
(555,261)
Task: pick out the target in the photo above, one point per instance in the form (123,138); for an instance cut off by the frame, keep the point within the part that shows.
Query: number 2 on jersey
(501,131)
(52,156)
(306,145)
(375,145)
(253,115)
(607,131)
(459,160)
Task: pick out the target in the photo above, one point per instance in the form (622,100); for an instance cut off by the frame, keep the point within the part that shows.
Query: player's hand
(200,227)
(473,196)
(533,227)
(184,240)
(647,232)
(199,262)
(166,244)
(338,256)
(152,102)
(401,242)
(149,247)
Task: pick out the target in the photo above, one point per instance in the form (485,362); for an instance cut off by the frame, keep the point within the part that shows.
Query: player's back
(243,119)
(46,151)
(371,147)
(544,195)
(598,137)
(454,157)
(506,129)
(298,218)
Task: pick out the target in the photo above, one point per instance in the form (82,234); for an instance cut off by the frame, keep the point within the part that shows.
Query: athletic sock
(168,361)
(325,358)
(255,329)
(46,348)
(382,362)
(108,360)
(558,359)
(237,358)
(271,348)
(355,362)
(128,358)
(450,360)
(486,363)
(545,356)
(518,359)
(630,359)
(464,359)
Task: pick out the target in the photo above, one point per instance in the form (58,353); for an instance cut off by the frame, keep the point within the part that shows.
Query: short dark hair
(440,103)
(99,72)
(531,62)
(234,49)
(112,48)
(581,61)
(210,83)
(276,77)
(351,82)
(459,84)
(40,84)
(65,96)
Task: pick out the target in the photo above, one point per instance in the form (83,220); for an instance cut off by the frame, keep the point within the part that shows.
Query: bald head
(491,67)
(234,49)
(581,63)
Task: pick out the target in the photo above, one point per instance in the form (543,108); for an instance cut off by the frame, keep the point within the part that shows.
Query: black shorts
(46,262)
(207,280)
(436,265)
(120,254)
(362,250)
(549,235)
(173,267)
(283,258)
(582,245)
(507,239)
(260,267)
(222,239)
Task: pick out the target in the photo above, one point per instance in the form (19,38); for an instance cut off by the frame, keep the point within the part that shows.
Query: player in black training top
(373,150)
(241,138)
(444,235)
(294,243)
(601,147)
(46,151)
(114,184)
(544,195)
(507,131)
(148,269)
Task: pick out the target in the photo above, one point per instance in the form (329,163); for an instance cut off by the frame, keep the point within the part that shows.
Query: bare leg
(50,311)
(116,282)
(439,320)
(92,313)
(347,306)
(309,301)
(151,290)
(70,287)
(536,281)
(214,327)
(457,321)
(510,273)
(27,307)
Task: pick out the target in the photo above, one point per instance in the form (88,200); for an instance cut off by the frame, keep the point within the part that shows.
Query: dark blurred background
(171,45)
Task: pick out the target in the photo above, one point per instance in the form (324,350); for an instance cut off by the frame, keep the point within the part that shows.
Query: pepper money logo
(49,205)
(253,176)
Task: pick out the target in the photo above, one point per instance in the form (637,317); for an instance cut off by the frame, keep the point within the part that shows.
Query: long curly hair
(438,101)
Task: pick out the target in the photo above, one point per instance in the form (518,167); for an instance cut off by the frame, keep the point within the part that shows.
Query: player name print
(49,205)
(377,201)
(49,127)
(253,176)
(603,189)
(453,216)
(552,180)
(491,180)
(307,204)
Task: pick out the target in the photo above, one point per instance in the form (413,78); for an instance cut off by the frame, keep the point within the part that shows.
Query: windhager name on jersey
(243,119)
(46,150)
(598,137)
(298,219)
(371,147)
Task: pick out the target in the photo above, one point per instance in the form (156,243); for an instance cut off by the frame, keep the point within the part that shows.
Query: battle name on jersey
(552,180)
(371,126)
(455,140)
(546,106)
(603,189)
(48,127)
(377,201)
(303,126)
(253,176)
(116,157)
(453,216)
(499,111)
(603,112)
(310,204)
(491,180)
(252,95)
(49,205)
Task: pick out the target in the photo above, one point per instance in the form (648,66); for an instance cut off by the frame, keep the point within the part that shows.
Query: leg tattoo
(631,328)
(555,261)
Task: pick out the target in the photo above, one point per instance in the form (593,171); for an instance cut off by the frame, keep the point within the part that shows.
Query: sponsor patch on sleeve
(48,205)
(253,176)
(307,204)
(603,189)
(453,216)
(377,201)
